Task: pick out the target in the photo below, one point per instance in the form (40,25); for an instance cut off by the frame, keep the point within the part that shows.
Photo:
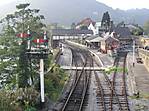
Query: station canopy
(94,39)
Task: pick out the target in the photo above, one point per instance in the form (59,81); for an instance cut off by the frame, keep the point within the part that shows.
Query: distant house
(85,23)
(123,34)
(92,27)
(89,24)
(131,27)
(64,34)
(94,41)
(109,43)
(95,27)
(144,41)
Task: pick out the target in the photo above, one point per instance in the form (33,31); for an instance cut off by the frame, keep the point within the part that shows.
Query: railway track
(77,95)
(119,83)
(112,93)
(104,91)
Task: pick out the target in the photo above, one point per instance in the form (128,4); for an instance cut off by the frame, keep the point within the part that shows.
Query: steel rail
(110,86)
(74,88)
(87,79)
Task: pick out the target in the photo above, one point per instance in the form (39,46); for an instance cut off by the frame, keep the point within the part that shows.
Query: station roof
(123,32)
(70,32)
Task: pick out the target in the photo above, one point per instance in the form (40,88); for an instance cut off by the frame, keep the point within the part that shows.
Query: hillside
(68,11)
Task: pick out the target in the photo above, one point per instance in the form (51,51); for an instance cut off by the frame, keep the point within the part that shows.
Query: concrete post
(42,80)
(29,41)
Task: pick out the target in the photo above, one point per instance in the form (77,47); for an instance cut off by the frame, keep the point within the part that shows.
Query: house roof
(98,24)
(62,32)
(131,26)
(86,22)
(110,39)
(90,37)
(145,36)
(122,32)
(94,39)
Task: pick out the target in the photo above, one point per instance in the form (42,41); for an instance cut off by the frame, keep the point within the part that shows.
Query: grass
(144,95)
(141,95)
(140,107)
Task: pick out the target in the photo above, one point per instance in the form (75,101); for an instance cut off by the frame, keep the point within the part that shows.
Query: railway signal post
(40,52)
(42,80)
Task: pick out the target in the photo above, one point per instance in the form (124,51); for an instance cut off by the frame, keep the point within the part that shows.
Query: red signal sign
(23,35)
(40,41)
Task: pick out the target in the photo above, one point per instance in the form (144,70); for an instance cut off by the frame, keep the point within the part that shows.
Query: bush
(19,100)
(54,82)
(6,101)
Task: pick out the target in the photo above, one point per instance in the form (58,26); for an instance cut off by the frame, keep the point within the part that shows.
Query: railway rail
(111,91)
(77,95)
(119,83)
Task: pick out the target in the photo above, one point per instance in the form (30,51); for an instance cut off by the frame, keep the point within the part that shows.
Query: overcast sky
(126,4)
(3,2)
(121,4)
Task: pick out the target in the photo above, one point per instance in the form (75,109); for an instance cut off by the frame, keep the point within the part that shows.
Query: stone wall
(144,54)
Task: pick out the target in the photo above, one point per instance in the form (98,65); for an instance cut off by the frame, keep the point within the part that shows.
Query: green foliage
(54,82)
(17,71)
(8,59)
(73,25)
(23,67)
(115,69)
(5,101)
(105,20)
(22,6)
(21,99)
(49,61)
(18,65)
(138,31)
(146,27)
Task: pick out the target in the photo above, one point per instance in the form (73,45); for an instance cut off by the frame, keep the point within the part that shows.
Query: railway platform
(139,76)
(105,59)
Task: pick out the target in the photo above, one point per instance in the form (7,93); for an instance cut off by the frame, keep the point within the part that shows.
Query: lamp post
(133,53)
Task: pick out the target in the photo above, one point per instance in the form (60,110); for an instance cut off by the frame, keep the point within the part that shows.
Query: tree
(106,20)
(16,67)
(73,25)
(18,63)
(137,31)
(146,27)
